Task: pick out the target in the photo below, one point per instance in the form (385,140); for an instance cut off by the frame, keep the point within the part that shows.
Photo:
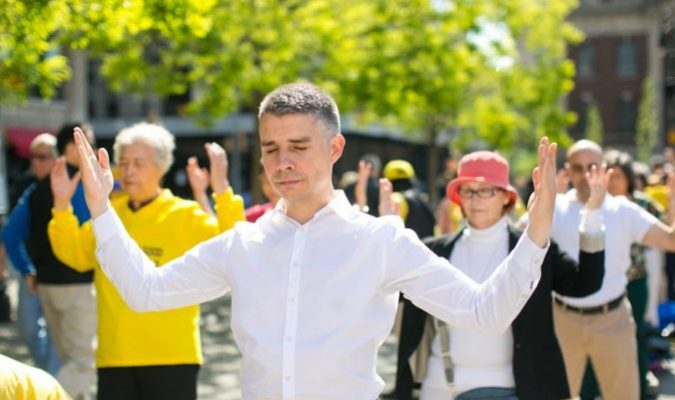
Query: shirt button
(289,339)
(287,378)
(291,299)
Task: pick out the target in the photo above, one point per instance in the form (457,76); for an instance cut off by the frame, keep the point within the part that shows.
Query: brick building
(624,44)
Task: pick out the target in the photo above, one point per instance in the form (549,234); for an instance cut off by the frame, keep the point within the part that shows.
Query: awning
(20,137)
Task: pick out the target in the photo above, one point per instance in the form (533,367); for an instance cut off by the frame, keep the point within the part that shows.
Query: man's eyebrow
(303,139)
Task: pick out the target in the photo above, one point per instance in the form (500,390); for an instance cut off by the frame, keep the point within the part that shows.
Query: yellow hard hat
(398,169)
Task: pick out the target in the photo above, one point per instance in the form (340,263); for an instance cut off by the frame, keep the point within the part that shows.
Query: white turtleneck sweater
(479,360)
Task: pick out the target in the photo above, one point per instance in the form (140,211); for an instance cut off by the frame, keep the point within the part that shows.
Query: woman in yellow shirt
(153,355)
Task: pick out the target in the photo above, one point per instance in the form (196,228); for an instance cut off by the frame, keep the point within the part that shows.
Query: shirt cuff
(591,231)
(227,194)
(529,256)
(62,214)
(591,222)
(106,226)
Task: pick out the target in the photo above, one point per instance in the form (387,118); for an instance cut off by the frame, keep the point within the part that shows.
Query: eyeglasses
(41,157)
(482,193)
(582,168)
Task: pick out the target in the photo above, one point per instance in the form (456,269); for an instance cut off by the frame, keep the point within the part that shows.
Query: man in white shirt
(315,282)
(600,326)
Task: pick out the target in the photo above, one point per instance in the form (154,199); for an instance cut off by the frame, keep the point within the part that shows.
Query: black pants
(156,382)
(412,328)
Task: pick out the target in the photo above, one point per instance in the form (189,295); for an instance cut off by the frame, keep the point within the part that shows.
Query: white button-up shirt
(312,303)
(625,223)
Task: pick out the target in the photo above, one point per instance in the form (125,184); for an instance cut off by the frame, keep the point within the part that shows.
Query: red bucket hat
(481,166)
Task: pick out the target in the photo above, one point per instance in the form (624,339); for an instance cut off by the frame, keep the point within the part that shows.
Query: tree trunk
(432,164)
(256,191)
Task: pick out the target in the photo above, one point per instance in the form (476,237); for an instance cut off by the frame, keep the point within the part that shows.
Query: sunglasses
(582,168)
(40,157)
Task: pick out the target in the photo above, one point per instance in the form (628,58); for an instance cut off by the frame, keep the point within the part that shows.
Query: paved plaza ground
(219,376)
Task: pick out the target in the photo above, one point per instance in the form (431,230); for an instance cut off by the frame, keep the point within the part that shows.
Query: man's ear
(337,146)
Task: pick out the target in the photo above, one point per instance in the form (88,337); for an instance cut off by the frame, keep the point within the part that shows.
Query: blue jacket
(18,227)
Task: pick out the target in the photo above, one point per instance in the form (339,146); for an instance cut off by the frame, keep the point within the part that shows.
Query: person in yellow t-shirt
(19,381)
(153,354)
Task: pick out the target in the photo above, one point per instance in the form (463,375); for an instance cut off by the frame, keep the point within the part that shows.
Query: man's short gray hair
(158,138)
(44,139)
(303,98)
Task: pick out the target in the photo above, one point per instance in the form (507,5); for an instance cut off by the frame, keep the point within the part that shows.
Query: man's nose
(285,161)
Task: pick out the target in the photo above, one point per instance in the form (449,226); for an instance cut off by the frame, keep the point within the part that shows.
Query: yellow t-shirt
(164,229)
(21,382)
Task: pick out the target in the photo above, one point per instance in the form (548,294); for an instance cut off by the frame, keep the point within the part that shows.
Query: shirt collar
(571,196)
(161,198)
(339,205)
(494,231)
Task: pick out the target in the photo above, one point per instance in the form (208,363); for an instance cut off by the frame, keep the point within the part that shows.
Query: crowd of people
(492,294)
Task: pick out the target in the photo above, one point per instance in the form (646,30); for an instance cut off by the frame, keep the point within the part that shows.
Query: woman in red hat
(524,362)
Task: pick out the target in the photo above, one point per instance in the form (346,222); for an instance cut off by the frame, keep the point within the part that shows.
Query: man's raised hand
(598,179)
(63,186)
(388,205)
(96,175)
(197,177)
(218,167)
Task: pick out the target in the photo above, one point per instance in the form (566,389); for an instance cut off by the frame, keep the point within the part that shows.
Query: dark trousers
(412,328)
(670,273)
(155,382)
(636,291)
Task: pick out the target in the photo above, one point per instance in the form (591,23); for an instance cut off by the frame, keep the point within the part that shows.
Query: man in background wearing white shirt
(315,282)
(600,327)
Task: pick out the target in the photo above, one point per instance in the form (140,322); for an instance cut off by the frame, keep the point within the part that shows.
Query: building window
(176,104)
(582,113)
(627,58)
(627,114)
(586,60)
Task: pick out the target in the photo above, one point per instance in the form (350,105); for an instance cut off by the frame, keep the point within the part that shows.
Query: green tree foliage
(29,55)
(594,129)
(647,124)
(430,66)
(435,68)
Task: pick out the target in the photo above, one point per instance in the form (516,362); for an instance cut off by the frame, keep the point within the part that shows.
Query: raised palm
(198,177)
(540,206)
(598,179)
(63,186)
(97,177)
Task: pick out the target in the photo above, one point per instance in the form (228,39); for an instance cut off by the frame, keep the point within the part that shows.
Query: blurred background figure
(258,210)
(153,355)
(364,192)
(30,319)
(644,273)
(417,214)
(454,362)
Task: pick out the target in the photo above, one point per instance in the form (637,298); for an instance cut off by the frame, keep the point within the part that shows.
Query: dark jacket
(538,366)
(421,218)
(49,269)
